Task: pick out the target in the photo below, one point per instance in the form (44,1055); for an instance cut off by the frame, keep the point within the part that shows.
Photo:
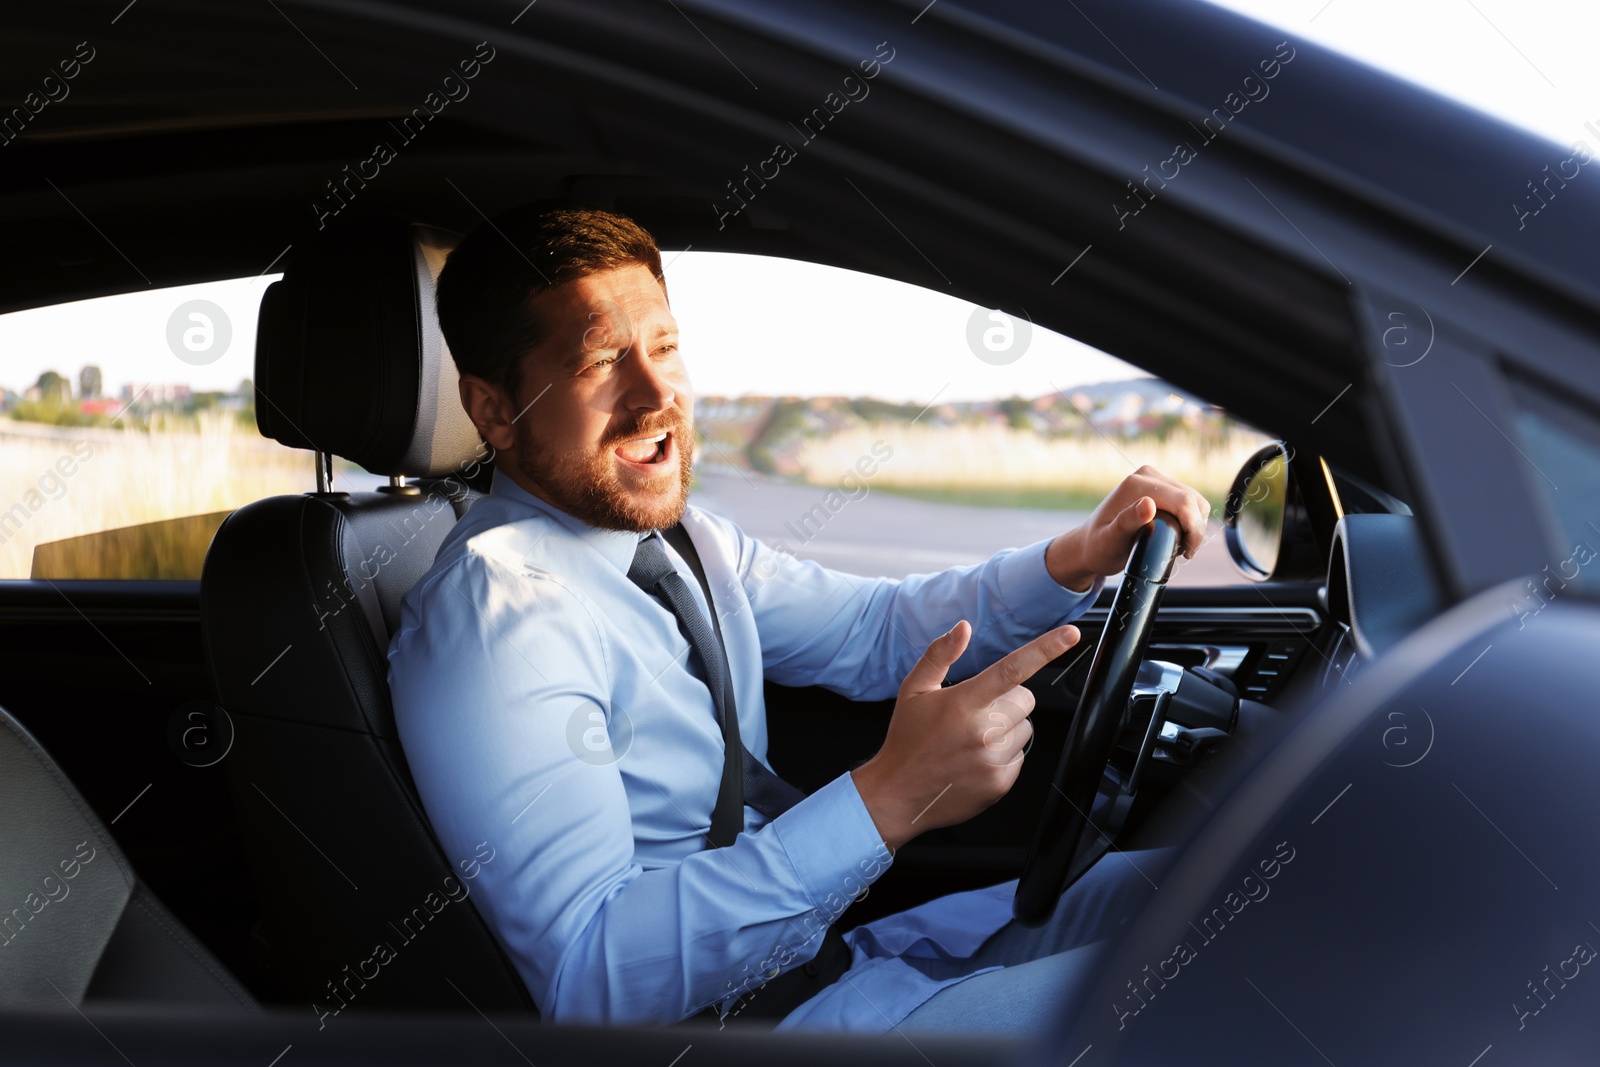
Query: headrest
(349,357)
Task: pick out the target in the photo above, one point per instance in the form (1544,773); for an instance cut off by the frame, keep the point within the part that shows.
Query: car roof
(175,97)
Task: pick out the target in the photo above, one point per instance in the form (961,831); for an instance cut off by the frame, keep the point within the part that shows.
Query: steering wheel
(1050,868)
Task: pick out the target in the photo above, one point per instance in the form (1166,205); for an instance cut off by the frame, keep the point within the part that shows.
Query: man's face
(604,426)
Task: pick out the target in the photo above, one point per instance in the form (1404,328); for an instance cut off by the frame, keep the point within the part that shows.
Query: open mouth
(646,451)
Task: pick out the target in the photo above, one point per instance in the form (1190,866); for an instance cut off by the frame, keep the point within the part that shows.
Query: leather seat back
(299,596)
(76,924)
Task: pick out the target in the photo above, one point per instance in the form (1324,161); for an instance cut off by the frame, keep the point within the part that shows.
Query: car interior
(217,889)
(312,748)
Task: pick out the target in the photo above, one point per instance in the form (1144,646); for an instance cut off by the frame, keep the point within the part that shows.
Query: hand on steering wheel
(1050,867)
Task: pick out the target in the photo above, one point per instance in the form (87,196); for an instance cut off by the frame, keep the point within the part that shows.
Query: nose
(649,386)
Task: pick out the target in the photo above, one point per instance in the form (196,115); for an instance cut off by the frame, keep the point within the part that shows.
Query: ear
(489,408)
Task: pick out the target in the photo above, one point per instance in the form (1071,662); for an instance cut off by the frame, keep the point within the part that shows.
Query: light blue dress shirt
(546,705)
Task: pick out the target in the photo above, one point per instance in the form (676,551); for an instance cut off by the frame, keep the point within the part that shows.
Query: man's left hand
(1100,546)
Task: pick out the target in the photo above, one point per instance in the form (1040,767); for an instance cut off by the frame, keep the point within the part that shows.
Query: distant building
(150,393)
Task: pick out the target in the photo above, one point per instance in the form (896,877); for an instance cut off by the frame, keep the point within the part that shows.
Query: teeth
(641,449)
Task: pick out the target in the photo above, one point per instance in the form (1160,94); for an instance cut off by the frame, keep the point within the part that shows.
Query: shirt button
(811,969)
(773,972)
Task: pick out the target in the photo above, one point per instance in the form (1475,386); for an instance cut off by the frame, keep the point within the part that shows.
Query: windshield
(1529,63)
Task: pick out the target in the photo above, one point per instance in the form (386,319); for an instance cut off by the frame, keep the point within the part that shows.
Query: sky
(752,326)
(748,324)
(1528,62)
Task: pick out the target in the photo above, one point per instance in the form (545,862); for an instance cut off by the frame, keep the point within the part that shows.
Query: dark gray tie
(745,779)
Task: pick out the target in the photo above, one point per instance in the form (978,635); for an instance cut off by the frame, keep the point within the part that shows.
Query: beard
(585,483)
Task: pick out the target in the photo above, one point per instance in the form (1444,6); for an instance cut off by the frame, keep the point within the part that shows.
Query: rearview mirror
(1253,517)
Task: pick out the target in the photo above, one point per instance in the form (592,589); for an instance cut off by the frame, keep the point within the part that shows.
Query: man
(562,691)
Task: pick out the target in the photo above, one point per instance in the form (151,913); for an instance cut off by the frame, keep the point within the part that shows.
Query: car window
(127,432)
(1561,441)
(885,429)
(876,427)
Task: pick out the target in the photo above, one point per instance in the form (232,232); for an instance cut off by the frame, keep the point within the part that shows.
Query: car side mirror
(1253,517)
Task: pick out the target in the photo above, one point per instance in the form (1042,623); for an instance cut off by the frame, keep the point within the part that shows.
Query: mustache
(675,424)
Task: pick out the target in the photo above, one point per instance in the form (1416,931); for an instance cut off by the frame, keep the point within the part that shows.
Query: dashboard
(1380,587)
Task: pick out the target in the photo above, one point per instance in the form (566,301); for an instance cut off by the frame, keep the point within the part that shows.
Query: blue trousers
(1045,966)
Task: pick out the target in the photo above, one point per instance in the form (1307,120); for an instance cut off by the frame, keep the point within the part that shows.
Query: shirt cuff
(833,845)
(1033,597)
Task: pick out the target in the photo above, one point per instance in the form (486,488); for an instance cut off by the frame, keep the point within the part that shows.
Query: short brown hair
(486,289)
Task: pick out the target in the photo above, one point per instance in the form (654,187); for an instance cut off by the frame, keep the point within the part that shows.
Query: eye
(605,362)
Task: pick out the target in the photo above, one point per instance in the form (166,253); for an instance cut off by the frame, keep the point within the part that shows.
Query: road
(881,534)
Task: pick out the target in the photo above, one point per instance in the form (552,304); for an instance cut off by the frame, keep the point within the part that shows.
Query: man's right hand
(953,751)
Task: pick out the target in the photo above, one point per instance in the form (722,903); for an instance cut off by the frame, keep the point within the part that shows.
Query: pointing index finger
(1011,671)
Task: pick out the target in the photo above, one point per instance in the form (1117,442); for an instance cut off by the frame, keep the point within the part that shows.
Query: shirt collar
(617,546)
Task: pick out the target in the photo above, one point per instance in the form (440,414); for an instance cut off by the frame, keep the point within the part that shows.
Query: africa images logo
(199,332)
(597,738)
